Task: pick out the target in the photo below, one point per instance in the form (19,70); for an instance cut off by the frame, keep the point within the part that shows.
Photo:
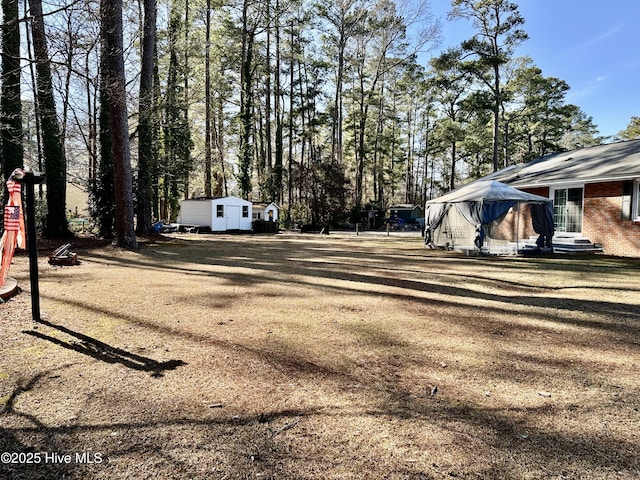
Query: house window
(567,210)
(219,211)
(636,201)
(627,212)
(245,211)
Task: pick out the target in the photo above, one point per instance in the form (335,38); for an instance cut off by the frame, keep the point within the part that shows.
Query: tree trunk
(92,136)
(52,148)
(11,150)
(496,117)
(336,143)
(246,102)
(103,191)
(157,128)
(146,158)
(279,154)
(454,153)
(218,135)
(34,90)
(207,102)
(266,159)
(114,75)
(186,153)
(290,127)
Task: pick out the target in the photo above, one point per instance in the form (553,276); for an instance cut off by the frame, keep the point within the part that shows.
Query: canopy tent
(483,202)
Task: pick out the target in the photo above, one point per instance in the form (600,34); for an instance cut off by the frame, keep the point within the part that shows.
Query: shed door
(233,217)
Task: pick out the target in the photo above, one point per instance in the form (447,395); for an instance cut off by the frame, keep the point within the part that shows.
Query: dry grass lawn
(315,357)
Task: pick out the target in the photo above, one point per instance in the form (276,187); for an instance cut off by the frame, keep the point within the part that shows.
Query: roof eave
(571,181)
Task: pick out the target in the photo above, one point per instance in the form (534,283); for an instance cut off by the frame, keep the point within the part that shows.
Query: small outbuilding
(223,214)
(267,212)
(406,212)
(404,216)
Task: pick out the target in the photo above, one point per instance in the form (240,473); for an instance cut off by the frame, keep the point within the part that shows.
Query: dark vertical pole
(30,180)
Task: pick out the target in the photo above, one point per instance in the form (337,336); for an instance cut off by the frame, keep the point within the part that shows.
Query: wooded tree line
(327,108)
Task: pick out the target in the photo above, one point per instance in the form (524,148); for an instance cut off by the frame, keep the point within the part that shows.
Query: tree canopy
(632,131)
(327,108)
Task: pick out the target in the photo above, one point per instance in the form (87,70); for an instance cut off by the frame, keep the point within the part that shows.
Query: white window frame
(635,201)
(552,194)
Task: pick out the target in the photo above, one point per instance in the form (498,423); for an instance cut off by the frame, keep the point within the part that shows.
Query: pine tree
(52,147)
(115,97)
(11,150)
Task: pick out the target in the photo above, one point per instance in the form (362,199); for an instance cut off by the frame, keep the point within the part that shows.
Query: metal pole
(518,229)
(30,180)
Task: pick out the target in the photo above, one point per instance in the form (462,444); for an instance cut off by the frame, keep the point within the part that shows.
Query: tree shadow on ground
(286,256)
(17,465)
(21,457)
(298,271)
(105,352)
(246,445)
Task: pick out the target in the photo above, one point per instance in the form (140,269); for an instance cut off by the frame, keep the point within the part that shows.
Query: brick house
(595,190)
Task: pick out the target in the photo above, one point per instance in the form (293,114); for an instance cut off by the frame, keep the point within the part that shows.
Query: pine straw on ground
(315,357)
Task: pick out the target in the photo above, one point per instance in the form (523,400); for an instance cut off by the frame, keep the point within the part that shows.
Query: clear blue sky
(593,45)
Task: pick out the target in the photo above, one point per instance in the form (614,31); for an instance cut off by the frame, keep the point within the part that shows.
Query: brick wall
(541,191)
(602,220)
(518,224)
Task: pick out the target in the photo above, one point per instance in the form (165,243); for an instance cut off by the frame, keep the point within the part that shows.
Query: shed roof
(610,162)
(265,205)
(216,199)
(404,206)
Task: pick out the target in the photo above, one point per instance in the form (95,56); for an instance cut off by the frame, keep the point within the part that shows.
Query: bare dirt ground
(321,357)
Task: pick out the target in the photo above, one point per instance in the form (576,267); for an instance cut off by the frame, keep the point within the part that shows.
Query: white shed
(267,212)
(220,214)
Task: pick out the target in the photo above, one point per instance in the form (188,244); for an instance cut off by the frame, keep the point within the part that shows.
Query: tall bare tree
(382,47)
(176,160)
(344,19)
(207,100)
(250,18)
(52,148)
(278,169)
(11,148)
(113,77)
(498,33)
(146,158)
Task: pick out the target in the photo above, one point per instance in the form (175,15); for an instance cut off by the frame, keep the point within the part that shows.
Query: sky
(590,44)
